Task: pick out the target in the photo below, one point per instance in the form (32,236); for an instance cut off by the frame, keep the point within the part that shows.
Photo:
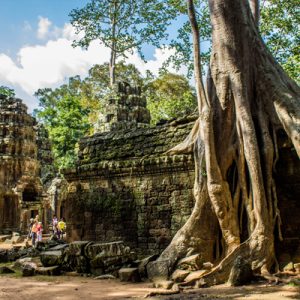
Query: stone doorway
(30,194)
(34,213)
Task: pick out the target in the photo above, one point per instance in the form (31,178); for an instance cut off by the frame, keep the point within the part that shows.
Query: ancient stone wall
(126,187)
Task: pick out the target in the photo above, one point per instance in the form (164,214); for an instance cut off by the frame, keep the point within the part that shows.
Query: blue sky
(36,51)
(17,16)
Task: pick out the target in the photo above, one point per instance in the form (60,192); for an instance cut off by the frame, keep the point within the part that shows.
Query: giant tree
(122,26)
(248,99)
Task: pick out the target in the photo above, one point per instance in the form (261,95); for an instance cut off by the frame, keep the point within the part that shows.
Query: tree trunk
(254,4)
(249,97)
(112,64)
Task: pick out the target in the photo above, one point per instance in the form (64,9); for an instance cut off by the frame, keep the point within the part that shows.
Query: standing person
(39,231)
(31,222)
(34,233)
(61,228)
(54,225)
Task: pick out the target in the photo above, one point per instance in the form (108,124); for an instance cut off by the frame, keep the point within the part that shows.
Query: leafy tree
(4,90)
(249,101)
(122,26)
(169,96)
(65,119)
(280,28)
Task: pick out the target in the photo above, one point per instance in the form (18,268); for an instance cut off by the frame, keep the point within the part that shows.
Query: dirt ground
(73,288)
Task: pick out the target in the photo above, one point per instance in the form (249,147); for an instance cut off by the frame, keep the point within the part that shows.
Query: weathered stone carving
(21,190)
(125,109)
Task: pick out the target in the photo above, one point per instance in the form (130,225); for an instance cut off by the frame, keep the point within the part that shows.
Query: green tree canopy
(280,28)
(65,119)
(169,96)
(122,25)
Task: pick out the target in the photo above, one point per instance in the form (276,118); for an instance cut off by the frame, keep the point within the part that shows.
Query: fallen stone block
(49,271)
(129,275)
(51,258)
(77,248)
(106,249)
(58,247)
(28,269)
(18,264)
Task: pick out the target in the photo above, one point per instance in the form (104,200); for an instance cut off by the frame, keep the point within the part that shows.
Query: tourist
(31,222)
(61,228)
(54,225)
(34,233)
(37,218)
(39,231)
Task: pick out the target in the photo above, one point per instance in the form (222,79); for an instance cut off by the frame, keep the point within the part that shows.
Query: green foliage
(280,29)
(122,26)
(183,41)
(65,119)
(4,90)
(170,96)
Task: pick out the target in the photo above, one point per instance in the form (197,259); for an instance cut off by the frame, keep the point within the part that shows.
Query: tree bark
(249,97)
(255,9)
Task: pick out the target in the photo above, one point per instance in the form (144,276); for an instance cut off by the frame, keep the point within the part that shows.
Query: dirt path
(73,288)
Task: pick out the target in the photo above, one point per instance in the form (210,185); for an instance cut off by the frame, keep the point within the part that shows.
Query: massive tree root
(249,98)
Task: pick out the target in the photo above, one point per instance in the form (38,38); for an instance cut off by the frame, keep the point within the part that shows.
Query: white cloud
(50,64)
(43,27)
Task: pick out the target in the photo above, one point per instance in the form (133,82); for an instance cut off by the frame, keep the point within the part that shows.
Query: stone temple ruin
(124,185)
(22,193)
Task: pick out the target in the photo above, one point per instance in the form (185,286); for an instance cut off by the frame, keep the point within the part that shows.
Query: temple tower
(125,109)
(21,190)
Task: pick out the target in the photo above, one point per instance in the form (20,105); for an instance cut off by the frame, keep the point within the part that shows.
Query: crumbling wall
(126,187)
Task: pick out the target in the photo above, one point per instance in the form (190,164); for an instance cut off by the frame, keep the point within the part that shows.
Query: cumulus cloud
(43,27)
(50,64)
